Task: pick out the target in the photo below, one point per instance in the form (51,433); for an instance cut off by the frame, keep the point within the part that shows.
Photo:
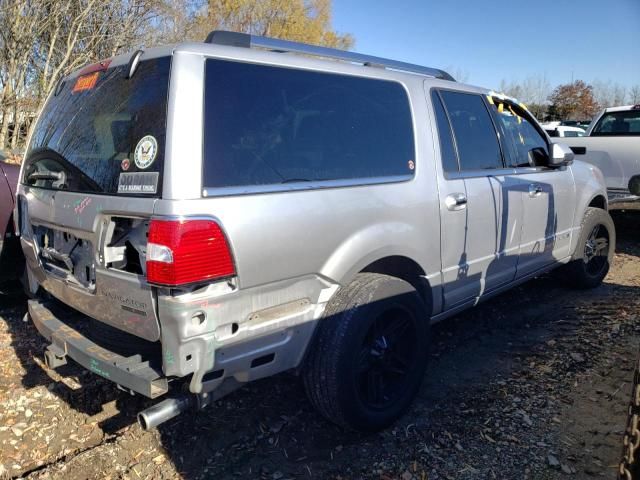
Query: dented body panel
(121,299)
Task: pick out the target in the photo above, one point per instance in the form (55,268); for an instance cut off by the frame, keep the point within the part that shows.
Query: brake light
(85,82)
(89,76)
(181,252)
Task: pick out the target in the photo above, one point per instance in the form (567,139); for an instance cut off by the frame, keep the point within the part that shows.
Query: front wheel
(369,355)
(594,251)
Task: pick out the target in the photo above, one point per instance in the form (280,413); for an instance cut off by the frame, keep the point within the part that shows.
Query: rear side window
(475,136)
(267,125)
(447,149)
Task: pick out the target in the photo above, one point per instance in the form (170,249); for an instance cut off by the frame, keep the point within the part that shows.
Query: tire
(593,256)
(368,357)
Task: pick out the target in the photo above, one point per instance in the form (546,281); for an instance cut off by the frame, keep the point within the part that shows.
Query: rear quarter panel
(330,232)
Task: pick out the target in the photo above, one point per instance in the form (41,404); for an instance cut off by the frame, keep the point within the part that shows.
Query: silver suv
(199,216)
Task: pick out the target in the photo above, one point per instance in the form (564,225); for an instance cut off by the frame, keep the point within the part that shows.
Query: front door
(547,193)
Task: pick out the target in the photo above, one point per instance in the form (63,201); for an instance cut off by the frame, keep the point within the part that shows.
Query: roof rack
(237,39)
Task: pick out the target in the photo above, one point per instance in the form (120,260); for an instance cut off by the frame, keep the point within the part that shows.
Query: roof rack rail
(237,39)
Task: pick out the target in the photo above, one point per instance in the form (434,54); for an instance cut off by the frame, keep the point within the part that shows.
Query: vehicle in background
(584,124)
(251,205)
(563,131)
(612,143)
(11,257)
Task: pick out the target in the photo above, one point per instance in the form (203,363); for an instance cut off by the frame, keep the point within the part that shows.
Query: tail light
(181,252)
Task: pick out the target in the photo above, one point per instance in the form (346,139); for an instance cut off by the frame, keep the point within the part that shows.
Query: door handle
(456,201)
(535,190)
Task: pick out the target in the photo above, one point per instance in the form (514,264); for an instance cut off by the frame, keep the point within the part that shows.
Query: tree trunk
(17,126)
(4,128)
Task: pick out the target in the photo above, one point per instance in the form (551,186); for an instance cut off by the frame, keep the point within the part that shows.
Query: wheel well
(406,269)
(598,202)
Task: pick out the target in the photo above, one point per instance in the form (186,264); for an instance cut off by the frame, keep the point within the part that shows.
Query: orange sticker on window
(86,82)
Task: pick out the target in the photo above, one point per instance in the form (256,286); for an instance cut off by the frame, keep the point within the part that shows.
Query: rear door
(480,211)
(91,177)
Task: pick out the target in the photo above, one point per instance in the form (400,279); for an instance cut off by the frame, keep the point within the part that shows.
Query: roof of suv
(288,59)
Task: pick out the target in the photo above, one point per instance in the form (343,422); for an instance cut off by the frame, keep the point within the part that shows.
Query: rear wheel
(594,251)
(369,355)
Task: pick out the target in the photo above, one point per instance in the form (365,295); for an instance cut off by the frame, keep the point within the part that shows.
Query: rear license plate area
(66,256)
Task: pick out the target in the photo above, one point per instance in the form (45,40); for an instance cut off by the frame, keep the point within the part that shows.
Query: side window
(266,125)
(526,145)
(476,138)
(553,133)
(447,150)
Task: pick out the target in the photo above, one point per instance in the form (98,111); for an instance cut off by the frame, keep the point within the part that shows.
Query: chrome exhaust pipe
(165,410)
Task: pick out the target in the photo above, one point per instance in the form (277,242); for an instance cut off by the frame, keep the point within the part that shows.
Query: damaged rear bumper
(132,373)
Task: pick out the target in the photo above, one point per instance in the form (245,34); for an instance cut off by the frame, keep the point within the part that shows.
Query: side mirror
(560,155)
(634,185)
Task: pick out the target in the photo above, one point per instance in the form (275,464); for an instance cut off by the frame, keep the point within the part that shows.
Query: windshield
(103,132)
(618,123)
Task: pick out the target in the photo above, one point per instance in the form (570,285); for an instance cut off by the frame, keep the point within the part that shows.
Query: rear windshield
(618,123)
(103,132)
(268,125)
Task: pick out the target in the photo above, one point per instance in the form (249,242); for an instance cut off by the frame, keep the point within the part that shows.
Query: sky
(491,40)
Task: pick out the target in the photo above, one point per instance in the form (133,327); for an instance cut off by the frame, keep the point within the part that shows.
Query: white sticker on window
(145,152)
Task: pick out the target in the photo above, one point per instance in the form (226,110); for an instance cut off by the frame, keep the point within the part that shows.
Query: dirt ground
(532,384)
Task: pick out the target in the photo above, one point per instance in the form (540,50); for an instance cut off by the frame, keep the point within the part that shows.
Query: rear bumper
(132,373)
(623,200)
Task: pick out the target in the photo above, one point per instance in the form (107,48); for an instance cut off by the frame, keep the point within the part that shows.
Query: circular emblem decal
(145,152)
(125,164)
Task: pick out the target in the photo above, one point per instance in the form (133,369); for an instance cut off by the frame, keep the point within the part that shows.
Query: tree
(609,94)
(533,92)
(634,94)
(20,24)
(306,21)
(43,40)
(573,101)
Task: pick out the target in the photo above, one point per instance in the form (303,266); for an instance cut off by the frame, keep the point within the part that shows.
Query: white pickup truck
(612,143)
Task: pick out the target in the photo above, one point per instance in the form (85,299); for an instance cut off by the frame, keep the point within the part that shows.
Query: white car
(563,131)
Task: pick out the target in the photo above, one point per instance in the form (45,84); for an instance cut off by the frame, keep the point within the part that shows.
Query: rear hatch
(91,177)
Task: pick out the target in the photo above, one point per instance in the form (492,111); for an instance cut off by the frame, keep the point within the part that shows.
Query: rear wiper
(47,175)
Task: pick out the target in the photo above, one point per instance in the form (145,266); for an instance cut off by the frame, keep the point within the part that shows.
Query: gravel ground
(532,384)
